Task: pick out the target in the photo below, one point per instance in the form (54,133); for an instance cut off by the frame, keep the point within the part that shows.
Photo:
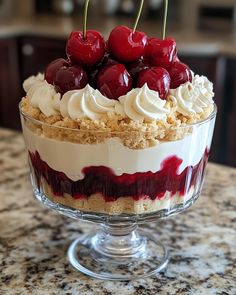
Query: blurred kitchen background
(34,32)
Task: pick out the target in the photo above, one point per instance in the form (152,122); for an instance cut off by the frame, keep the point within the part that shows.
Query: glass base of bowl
(118,252)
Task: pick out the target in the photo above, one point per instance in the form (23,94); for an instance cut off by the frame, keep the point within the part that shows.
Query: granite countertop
(190,41)
(34,240)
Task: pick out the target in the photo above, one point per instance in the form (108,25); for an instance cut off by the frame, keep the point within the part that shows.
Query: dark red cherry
(53,67)
(108,60)
(70,78)
(135,67)
(157,79)
(161,53)
(179,74)
(114,81)
(85,51)
(93,74)
(126,45)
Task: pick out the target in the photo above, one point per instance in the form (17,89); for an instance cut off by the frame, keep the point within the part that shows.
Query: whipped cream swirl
(42,95)
(86,102)
(205,87)
(143,103)
(193,98)
(139,104)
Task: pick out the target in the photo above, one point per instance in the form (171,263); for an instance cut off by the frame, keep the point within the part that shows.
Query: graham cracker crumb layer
(123,205)
(135,135)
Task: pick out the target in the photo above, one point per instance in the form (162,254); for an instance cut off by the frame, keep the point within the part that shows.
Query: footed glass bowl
(117,180)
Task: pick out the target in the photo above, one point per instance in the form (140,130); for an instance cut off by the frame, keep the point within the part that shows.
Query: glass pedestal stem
(118,252)
(119,240)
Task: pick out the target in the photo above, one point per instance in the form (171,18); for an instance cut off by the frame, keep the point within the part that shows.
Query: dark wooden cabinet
(37,52)
(229,151)
(9,83)
(20,58)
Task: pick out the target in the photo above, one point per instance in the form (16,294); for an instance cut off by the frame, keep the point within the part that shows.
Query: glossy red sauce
(138,185)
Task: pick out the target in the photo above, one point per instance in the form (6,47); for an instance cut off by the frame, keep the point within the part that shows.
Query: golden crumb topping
(133,134)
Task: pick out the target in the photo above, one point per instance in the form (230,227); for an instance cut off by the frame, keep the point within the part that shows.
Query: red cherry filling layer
(102,180)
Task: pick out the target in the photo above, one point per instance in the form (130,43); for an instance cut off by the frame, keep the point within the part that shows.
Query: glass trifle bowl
(105,178)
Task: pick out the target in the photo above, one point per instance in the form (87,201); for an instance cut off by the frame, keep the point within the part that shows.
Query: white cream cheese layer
(71,158)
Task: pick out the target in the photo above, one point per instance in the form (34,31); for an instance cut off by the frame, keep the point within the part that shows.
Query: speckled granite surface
(34,240)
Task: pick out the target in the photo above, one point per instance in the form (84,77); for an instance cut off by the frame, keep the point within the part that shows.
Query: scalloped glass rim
(212,115)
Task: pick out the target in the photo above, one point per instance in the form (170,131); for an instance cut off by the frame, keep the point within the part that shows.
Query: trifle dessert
(120,127)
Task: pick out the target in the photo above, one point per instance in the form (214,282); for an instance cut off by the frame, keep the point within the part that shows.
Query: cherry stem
(138,16)
(85,18)
(165,19)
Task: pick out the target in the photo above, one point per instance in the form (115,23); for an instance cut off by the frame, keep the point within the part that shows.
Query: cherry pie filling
(140,185)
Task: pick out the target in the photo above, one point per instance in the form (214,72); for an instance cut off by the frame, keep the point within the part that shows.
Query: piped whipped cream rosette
(142,104)
(193,98)
(36,87)
(86,102)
